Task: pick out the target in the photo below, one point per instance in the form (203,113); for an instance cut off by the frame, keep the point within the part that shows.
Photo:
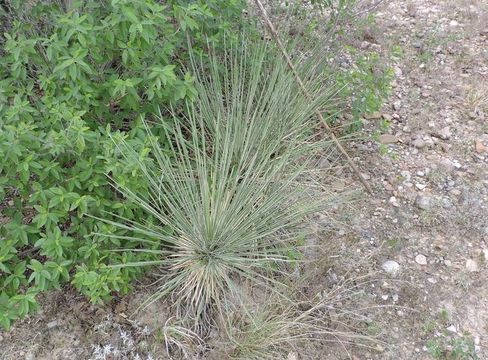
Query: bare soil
(429,212)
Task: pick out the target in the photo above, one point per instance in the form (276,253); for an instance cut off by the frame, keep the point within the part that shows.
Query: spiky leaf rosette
(226,195)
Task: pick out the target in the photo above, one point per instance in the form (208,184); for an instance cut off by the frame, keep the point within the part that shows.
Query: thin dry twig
(276,38)
(370,8)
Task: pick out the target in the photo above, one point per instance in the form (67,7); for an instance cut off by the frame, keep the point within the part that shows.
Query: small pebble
(452,329)
(456,192)
(405,174)
(444,133)
(421,259)
(446,204)
(479,147)
(52,324)
(423,202)
(418,143)
(391,267)
(472,266)
(388,139)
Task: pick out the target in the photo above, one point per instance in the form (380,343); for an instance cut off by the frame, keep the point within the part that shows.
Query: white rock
(444,133)
(391,267)
(393,201)
(292,356)
(420,186)
(472,266)
(421,259)
(405,174)
(418,143)
(452,329)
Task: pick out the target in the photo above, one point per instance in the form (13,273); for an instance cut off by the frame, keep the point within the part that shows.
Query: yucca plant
(227,201)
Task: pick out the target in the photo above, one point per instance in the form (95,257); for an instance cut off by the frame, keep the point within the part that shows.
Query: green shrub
(365,86)
(73,81)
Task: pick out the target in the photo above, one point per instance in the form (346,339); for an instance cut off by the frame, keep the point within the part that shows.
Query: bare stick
(275,36)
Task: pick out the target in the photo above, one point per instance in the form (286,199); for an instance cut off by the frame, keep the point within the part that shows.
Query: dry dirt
(423,232)
(429,211)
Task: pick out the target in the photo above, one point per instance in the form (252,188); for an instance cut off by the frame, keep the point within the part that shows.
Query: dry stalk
(276,38)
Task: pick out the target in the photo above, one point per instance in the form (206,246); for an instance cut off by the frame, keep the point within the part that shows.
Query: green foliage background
(71,82)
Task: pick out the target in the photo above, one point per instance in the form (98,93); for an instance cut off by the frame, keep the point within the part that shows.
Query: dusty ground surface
(430,204)
(424,230)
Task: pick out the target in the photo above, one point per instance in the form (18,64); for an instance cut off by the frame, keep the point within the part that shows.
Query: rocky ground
(423,231)
(429,211)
